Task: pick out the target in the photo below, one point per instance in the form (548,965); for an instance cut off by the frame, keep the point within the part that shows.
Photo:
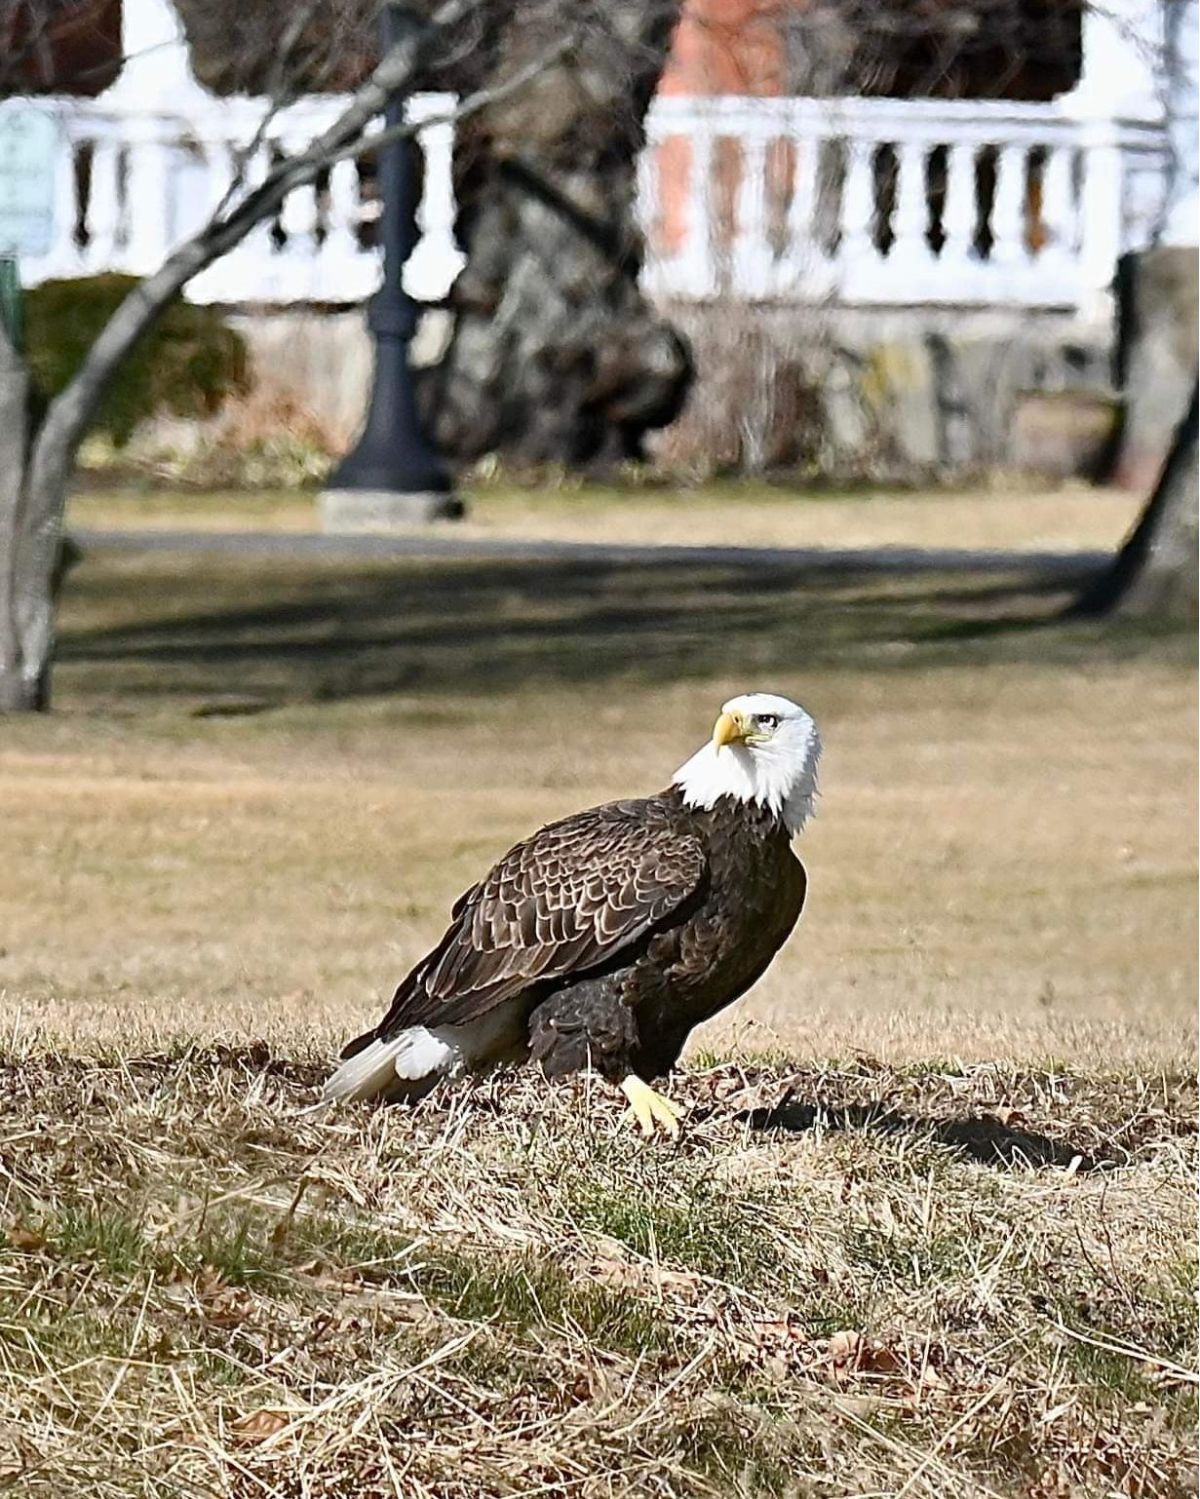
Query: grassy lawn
(1016,514)
(931,1227)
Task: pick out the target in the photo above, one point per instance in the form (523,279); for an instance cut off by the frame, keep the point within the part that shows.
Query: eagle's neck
(784,781)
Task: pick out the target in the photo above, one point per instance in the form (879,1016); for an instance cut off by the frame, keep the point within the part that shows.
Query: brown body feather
(620,928)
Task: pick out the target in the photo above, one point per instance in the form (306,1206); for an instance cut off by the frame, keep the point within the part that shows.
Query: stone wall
(849,393)
(839,393)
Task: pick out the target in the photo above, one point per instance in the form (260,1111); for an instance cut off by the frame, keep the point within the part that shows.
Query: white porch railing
(130,186)
(854,201)
(876,201)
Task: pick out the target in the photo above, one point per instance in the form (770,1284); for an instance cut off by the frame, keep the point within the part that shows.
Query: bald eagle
(603,939)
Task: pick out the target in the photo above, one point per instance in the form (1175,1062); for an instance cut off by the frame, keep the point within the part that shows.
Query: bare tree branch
(72,410)
(481,99)
(276,94)
(70,413)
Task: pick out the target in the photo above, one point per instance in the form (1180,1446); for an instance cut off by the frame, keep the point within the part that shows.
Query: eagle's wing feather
(564,901)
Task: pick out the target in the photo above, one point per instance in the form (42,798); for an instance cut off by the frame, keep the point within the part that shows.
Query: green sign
(29,139)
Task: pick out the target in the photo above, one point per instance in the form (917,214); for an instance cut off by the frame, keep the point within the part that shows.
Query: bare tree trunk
(555,355)
(1155,574)
(15,692)
(34,477)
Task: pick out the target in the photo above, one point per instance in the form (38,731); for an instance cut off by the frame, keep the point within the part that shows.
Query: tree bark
(34,476)
(1156,354)
(15,692)
(554,354)
(1155,575)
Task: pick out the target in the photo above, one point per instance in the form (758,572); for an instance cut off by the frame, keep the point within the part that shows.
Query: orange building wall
(727,47)
(720,47)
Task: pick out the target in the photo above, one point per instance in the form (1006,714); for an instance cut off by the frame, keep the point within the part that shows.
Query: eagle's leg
(590,1025)
(650,1108)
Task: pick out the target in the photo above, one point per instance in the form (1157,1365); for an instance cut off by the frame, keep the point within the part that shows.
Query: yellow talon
(650,1109)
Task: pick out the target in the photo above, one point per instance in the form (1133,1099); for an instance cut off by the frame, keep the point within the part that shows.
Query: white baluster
(1100,212)
(1058,206)
(295,265)
(697,266)
(1009,250)
(648,210)
(857,258)
(751,252)
(298,220)
(218,169)
(1057,266)
(436,260)
(801,266)
(248,272)
(646,202)
(347,271)
(191,182)
(858,200)
(960,211)
(103,208)
(149,186)
(910,252)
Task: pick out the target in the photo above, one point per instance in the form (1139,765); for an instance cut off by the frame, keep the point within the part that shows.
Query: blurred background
(460,474)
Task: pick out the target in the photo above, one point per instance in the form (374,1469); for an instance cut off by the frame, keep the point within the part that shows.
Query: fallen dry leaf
(852,1353)
(610,1271)
(257,1426)
(843,1347)
(28,1239)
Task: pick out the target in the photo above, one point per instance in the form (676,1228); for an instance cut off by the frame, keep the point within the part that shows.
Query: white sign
(28,146)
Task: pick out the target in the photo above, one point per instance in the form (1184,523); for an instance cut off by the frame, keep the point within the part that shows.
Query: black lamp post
(393,476)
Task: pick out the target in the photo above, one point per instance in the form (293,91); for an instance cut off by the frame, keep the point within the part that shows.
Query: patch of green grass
(525,1291)
(1108,1337)
(688,1221)
(903,1259)
(379,1255)
(1105,1371)
(521,1291)
(1127,1377)
(771,1058)
(214,1368)
(238,1249)
(61,1336)
(114,1239)
(245,1247)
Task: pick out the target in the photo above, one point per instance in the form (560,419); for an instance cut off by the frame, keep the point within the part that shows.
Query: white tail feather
(366,1073)
(411,1056)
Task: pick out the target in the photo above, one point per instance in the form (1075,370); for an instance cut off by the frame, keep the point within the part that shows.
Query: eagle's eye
(768,720)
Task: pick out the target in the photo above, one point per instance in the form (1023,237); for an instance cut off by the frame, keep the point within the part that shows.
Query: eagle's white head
(764,749)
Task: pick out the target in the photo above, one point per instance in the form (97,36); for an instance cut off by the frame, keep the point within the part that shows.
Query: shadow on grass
(980,1137)
(287,630)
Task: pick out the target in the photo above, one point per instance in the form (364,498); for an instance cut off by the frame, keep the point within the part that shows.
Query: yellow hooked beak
(730,728)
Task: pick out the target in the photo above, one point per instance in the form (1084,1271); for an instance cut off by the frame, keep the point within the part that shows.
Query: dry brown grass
(1014,514)
(951,1254)
(875,1293)
(1002,864)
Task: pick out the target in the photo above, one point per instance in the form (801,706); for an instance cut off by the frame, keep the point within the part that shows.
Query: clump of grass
(108,1237)
(525,1291)
(685,1218)
(498,1292)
